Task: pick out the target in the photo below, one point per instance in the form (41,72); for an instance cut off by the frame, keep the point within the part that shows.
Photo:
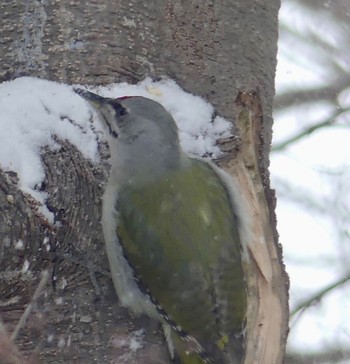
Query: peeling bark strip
(267,318)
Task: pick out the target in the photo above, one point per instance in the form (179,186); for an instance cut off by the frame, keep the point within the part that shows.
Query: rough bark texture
(224,51)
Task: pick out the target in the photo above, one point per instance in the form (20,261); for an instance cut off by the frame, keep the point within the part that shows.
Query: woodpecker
(171,231)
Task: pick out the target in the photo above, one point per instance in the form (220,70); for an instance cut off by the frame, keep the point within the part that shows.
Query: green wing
(180,236)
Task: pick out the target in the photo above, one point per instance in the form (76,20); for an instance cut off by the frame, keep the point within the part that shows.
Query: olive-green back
(180,236)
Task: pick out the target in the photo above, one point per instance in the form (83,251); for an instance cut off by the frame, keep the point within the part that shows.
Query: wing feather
(180,236)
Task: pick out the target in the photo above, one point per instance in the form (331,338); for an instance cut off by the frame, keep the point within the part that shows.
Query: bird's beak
(95,100)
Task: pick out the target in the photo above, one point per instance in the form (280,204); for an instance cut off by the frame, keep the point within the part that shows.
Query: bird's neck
(136,167)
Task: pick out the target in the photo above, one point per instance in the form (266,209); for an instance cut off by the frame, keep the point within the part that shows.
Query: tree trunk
(224,51)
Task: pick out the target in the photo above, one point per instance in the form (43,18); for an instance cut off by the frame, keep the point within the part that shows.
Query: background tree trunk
(224,51)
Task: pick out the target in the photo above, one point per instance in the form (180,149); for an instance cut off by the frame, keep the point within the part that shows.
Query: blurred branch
(300,196)
(302,134)
(326,123)
(9,353)
(313,40)
(331,356)
(339,8)
(22,321)
(327,93)
(319,295)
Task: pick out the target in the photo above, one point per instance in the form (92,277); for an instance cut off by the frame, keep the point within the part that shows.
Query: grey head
(142,136)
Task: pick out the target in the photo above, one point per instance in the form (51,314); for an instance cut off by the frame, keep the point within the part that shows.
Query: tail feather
(189,351)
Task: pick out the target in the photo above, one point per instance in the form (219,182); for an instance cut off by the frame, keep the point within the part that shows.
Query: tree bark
(224,51)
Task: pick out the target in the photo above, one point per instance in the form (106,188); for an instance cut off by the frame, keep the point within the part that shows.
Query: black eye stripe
(119,109)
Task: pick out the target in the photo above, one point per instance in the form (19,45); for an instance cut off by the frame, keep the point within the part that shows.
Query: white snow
(61,343)
(137,340)
(19,245)
(34,112)
(193,115)
(25,266)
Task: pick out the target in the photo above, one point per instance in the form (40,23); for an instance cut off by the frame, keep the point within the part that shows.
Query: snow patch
(35,112)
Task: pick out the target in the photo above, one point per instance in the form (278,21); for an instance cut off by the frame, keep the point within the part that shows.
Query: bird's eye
(119,109)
